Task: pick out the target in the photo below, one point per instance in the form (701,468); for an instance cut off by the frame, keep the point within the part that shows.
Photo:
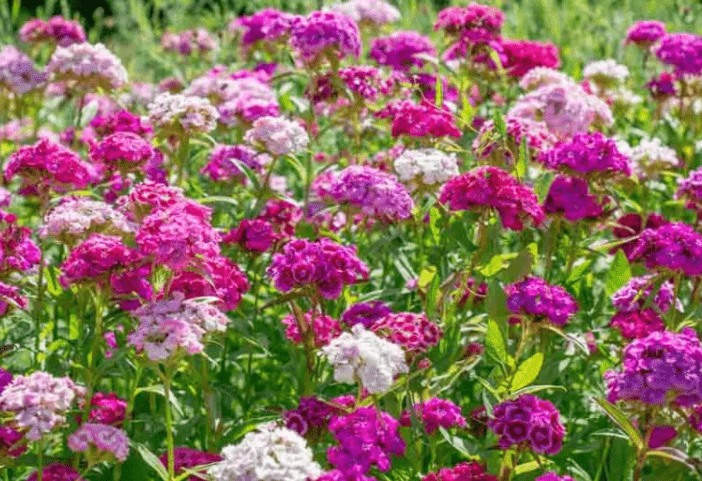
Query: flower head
(534,297)
(325,33)
(402,50)
(88,66)
(277,135)
(100,441)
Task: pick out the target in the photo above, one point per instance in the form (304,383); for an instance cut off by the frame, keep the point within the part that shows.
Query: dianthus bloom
(366,437)
(311,417)
(414,332)
(525,55)
(189,41)
(476,21)
(629,226)
(122,121)
(321,34)
(682,51)
(372,12)
(530,422)
(585,154)
(375,193)
(490,187)
(651,157)
(278,136)
(56,472)
(488,145)
(270,454)
(148,197)
(77,217)
(223,160)
(636,292)
(172,327)
(108,408)
(365,313)
(541,76)
(11,442)
(637,324)
(122,151)
(268,25)
(606,73)
(87,65)
(5,379)
(402,50)
(553,477)
(645,33)
(253,235)
(362,355)
(178,114)
(434,413)
(423,120)
(95,259)
(425,167)
(18,253)
(664,367)
(322,265)
(569,196)
(58,30)
(466,471)
(47,166)
(690,189)
(320,327)
(188,458)
(108,442)
(535,298)
(17,72)
(673,247)
(39,401)
(366,83)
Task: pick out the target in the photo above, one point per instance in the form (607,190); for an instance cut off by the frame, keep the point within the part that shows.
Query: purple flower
(671,247)
(587,154)
(682,51)
(322,33)
(434,413)
(636,292)
(661,436)
(690,190)
(414,332)
(569,196)
(267,25)
(645,33)
(401,50)
(365,313)
(637,324)
(534,297)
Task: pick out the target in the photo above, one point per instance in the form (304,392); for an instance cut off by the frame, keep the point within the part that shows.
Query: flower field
(361,241)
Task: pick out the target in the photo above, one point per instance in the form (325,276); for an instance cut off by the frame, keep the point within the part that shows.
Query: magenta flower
(535,298)
(188,458)
(365,313)
(569,197)
(325,33)
(423,120)
(95,259)
(402,50)
(435,413)
(268,25)
(253,235)
(682,51)
(57,30)
(673,247)
(587,154)
(57,472)
(645,33)
(524,55)
(320,327)
(414,332)
(122,151)
(637,324)
(122,121)
(465,471)
(106,440)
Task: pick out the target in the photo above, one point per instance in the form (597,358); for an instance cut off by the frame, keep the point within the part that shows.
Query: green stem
(40,459)
(182,159)
(91,377)
(39,306)
(169,423)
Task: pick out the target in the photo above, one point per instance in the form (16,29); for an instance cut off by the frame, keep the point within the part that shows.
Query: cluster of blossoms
(493,188)
(368,12)
(474,24)
(645,33)
(56,30)
(108,409)
(674,247)
(178,114)
(488,146)
(606,73)
(366,438)
(361,355)
(96,259)
(268,454)
(320,327)
(188,41)
(637,324)
(277,136)
(223,160)
(661,368)
(39,402)
(102,441)
(322,265)
(535,298)
(587,154)
(88,66)
(634,318)
(123,152)
(629,226)
(175,326)
(433,414)
(402,51)
(363,81)
(57,472)
(413,332)
(365,313)
(268,25)
(522,56)
(243,101)
(17,72)
(690,189)
(425,167)
(570,197)
(530,422)
(323,34)
(466,471)
(421,120)
(122,121)
(650,157)
(253,235)
(188,458)
(682,51)
(373,192)
(312,415)
(18,253)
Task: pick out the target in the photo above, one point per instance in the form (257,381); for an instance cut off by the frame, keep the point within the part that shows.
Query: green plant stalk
(90,375)
(182,158)
(39,304)
(167,376)
(40,459)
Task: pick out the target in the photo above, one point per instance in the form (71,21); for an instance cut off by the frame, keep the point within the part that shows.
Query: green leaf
(152,460)
(619,273)
(537,388)
(426,276)
(495,345)
(527,467)
(496,264)
(522,164)
(671,454)
(439,87)
(527,372)
(456,442)
(521,265)
(157,389)
(621,420)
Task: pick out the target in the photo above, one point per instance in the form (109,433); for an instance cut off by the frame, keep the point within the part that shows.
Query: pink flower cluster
(366,437)
(661,368)
(373,192)
(321,265)
(364,81)
(11,442)
(122,121)
(312,415)
(188,458)
(17,72)
(570,197)
(682,51)
(325,33)
(690,189)
(57,30)
(670,247)
(414,332)
(637,324)
(365,313)
(57,472)
(108,441)
(189,41)
(493,188)
(535,298)
(267,25)
(320,327)
(87,66)
(96,259)
(18,252)
(253,235)
(587,154)
(465,471)
(530,422)
(108,409)
(645,33)
(487,145)
(629,226)
(423,120)
(525,55)
(435,413)
(223,160)
(402,50)
(123,152)
(635,294)
(474,21)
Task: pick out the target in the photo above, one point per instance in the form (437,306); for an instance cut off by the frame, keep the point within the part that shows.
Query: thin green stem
(40,459)
(39,305)
(169,423)
(91,376)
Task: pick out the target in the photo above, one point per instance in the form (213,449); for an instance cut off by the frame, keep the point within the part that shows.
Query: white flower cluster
(277,135)
(651,157)
(606,72)
(88,65)
(17,72)
(375,12)
(363,355)
(270,454)
(39,401)
(83,216)
(428,167)
(540,76)
(191,114)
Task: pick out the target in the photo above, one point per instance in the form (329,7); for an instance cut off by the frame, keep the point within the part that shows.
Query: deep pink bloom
(189,458)
(311,417)
(95,259)
(18,252)
(56,30)
(322,330)
(423,120)
(267,25)
(524,55)
(465,471)
(365,313)
(253,235)
(122,121)
(122,151)
(587,154)
(630,226)
(535,298)
(325,33)
(570,197)
(414,332)
(682,51)
(637,324)
(671,247)
(476,19)
(645,33)
(11,442)
(283,215)
(434,413)
(109,409)
(401,50)
(661,436)
(57,472)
